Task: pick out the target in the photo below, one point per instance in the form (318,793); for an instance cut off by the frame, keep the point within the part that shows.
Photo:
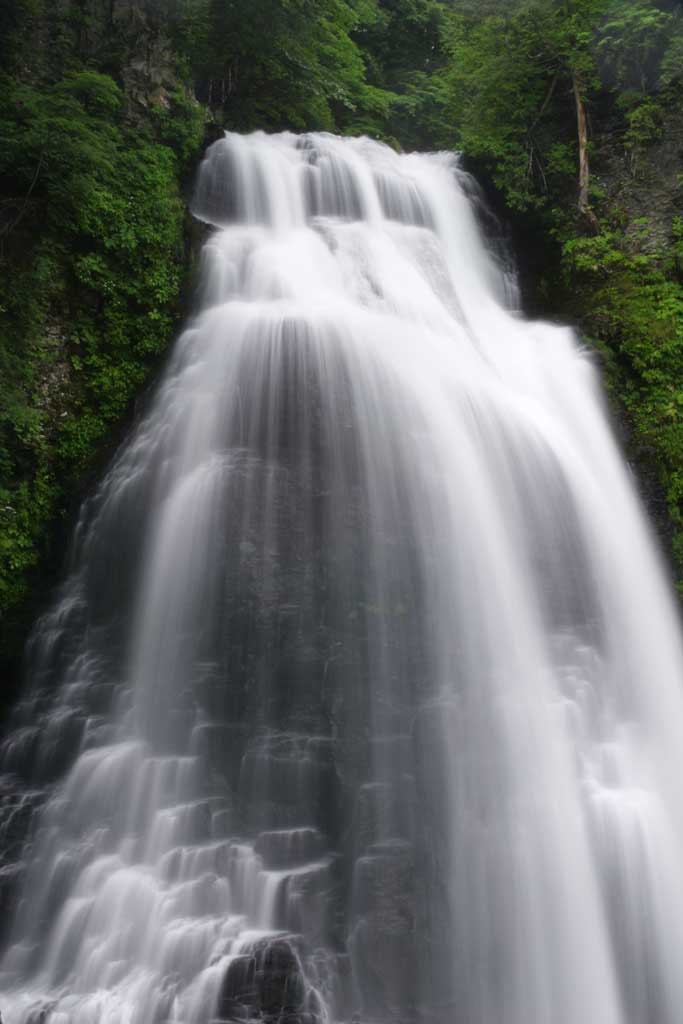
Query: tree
(632,39)
(280,63)
(511,74)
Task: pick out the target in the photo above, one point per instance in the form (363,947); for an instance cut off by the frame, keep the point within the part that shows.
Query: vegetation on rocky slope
(92,256)
(574,111)
(568,110)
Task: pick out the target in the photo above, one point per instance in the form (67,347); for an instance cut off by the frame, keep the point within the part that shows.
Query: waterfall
(361,699)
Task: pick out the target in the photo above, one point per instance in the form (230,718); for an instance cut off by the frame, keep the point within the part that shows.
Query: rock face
(18,808)
(643,182)
(267,982)
(287,779)
(288,847)
(381,941)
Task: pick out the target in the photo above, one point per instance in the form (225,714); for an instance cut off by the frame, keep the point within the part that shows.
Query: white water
(373,546)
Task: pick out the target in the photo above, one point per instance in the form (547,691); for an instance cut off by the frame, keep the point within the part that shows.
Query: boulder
(265,982)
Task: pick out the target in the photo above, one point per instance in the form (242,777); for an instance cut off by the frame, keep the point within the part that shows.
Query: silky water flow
(362,698)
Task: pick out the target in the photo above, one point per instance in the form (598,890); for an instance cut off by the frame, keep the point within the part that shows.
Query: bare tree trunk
(584,166)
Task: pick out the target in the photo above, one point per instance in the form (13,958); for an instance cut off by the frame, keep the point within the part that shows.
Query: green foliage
(98,94)
(92,256)
(632,307)
(512,78)
(674,260)
(282,63)
(514,71)
(597,255)
(671,65)
(644,124)
(495,100)
(630,43)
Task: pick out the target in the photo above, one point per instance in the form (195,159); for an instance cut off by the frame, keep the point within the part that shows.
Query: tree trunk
(584,167)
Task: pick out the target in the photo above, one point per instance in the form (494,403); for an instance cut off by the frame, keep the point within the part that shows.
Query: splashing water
(363,694)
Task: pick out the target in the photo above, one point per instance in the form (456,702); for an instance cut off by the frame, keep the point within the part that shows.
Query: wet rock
(17,811)
(376,813)
(289,779)
(279,979)
(11,877)
(40,1014)
(234,1011)
(298,1018)
(329,975)
(435,730)
(238,987)
(381,943)
(16,814)
(60,737)
(310,900)
(220,745)
(267,982)
(18,752)
(222,823)
(285,848)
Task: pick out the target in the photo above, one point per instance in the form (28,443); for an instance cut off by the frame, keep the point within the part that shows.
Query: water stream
(361,699)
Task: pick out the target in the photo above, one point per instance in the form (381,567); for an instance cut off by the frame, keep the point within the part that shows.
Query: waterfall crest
(362,697)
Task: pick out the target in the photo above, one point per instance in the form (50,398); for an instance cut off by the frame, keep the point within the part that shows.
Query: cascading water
(363,695)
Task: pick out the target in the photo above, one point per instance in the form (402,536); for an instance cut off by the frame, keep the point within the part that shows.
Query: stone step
(285,848)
